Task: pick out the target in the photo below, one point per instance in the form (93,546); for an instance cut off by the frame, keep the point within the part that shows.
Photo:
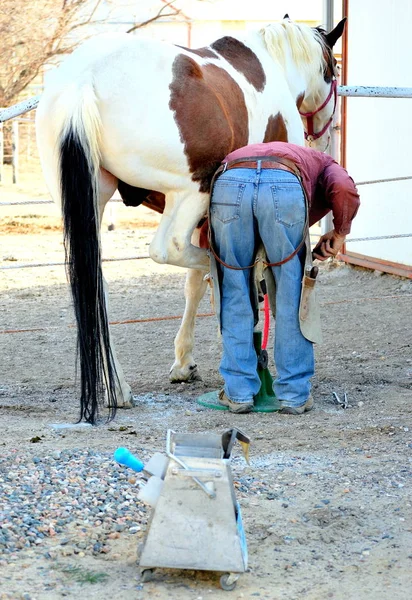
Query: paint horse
(155,120)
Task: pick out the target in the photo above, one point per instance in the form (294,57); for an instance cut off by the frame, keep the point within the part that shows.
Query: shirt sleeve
(341,196)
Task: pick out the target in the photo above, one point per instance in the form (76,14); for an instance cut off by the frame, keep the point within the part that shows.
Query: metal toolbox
(196,521)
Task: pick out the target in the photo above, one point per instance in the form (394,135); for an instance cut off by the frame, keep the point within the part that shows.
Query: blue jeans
(249,206)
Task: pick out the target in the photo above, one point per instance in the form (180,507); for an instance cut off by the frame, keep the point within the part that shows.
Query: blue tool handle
(124,457)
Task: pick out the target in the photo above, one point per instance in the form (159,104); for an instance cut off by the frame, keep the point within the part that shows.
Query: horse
(155,120)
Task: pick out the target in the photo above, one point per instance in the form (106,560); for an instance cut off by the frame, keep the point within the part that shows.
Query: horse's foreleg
(172,241)
(124,398)
(184,368)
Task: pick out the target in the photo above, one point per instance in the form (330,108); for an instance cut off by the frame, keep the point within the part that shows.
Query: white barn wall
(379,131)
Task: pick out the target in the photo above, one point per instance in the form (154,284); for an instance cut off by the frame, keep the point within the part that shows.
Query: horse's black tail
(79,192)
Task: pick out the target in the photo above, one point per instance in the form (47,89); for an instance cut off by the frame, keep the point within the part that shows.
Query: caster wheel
(228,582)
(146,575)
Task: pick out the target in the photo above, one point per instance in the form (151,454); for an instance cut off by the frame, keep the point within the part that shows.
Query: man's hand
(328,245)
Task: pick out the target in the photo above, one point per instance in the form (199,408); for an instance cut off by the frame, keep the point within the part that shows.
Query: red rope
(127,322)
(266,322)
(172,317)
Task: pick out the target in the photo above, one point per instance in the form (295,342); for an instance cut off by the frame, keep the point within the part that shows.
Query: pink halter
(310,135)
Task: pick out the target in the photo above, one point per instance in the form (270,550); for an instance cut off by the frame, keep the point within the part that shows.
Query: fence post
(1,152)
(15,151)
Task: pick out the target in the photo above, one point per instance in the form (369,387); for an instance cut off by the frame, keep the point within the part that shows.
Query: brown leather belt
(264,164)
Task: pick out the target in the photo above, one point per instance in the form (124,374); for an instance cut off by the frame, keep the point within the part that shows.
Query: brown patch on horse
(204,233)
(210,111)
(276,130)
(134,196)
(243,59)
(299,100)
(156,201)
(330,70)
(202,52)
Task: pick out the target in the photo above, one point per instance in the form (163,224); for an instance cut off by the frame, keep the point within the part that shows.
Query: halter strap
(277,159)
(310,134)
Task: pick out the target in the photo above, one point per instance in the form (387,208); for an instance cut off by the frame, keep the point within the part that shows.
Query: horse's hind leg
(107,187)
(172,241)
(184,368)
(124,395)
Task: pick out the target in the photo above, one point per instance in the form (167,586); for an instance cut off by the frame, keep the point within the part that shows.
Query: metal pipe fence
(361,91)
(19,109)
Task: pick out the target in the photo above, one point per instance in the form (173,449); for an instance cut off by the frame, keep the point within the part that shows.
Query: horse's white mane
(302,43)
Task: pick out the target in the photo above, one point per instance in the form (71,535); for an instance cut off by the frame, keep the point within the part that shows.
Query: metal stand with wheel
(196,521)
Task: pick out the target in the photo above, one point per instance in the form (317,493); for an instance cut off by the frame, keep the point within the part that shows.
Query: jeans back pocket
(289,202)
(226,200)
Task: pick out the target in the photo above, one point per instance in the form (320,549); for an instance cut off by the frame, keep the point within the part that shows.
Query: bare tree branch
(90,19)
(156,17)
(34,35)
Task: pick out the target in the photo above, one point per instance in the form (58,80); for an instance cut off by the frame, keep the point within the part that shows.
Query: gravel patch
(83,498)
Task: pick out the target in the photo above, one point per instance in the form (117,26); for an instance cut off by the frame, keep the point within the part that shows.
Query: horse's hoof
(127,401)
(124,400)
(185,375)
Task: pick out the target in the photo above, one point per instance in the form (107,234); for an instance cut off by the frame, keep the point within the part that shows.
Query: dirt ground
(326,498)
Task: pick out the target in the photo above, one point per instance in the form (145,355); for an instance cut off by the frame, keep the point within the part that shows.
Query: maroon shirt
(328,185)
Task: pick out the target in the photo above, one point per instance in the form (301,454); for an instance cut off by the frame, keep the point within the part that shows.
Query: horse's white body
(139,141)
(114,94)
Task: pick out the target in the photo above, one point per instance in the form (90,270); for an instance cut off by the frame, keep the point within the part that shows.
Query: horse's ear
(286,16)
(333,36)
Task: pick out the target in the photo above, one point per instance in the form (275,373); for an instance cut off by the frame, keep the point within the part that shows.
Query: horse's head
(306,56)
(319,103)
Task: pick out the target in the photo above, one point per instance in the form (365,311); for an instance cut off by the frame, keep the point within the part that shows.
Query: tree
(34,34)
